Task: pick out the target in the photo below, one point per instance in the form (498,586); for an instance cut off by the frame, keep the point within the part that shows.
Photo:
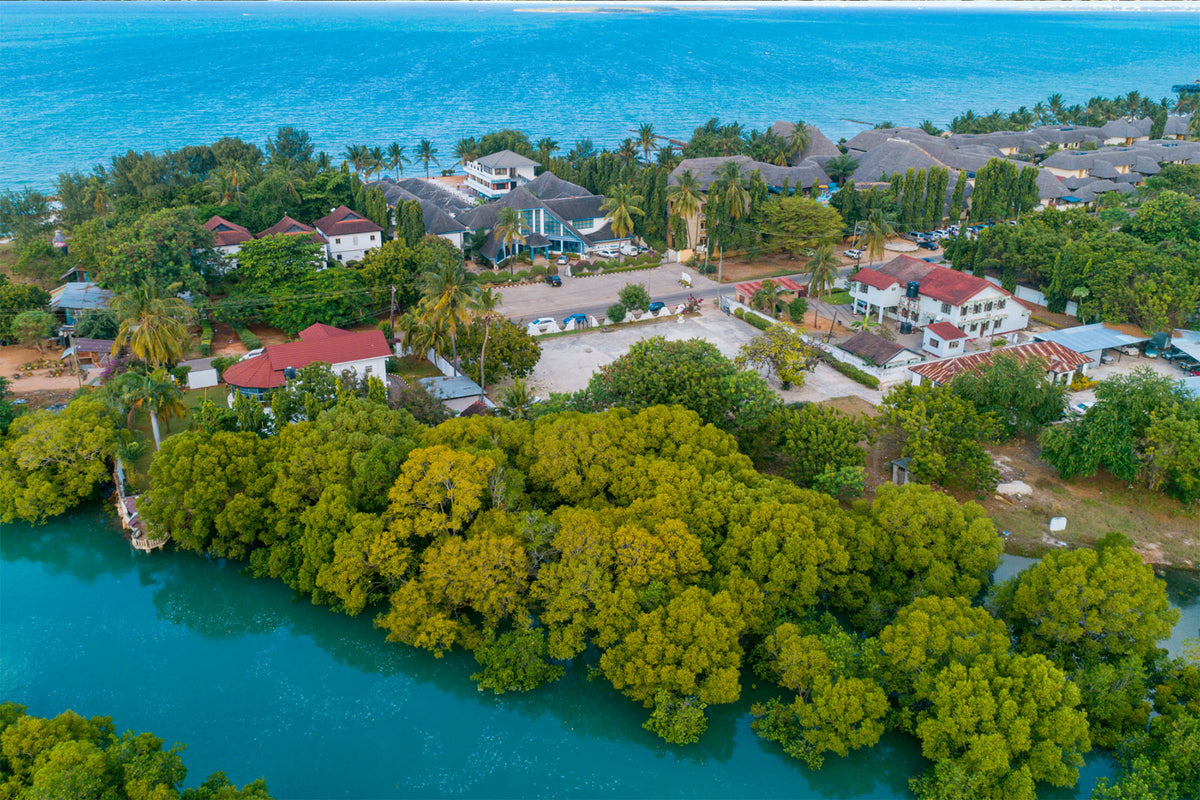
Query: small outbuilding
(456,393)
(202,374)
(1092,340)
(879,351)
(945,339)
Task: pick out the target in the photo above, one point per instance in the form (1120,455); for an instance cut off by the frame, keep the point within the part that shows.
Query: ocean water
(80,81)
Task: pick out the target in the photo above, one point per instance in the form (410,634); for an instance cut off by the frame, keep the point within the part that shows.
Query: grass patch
(139,469)
(838,298)
(413,367)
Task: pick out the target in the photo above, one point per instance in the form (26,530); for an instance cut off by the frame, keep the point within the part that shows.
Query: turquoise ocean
(80,81)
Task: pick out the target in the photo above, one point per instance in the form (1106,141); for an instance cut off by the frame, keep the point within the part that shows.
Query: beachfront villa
(348,235)
(916,292)
(363,352)
(496,174)
(569,221)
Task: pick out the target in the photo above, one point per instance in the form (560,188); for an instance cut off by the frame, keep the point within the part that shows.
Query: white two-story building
(916,292)
(228,238)
(349,235)
(497,174)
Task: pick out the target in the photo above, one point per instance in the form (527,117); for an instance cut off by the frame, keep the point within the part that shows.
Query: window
(372,237)
(963,311)
(337,241)
(354,240)
(974,327)
(339,257)
(987,307)
(1000,303)
(945,308)
(953,345)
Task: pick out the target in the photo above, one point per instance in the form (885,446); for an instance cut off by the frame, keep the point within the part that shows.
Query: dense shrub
(248,338)
(851,372)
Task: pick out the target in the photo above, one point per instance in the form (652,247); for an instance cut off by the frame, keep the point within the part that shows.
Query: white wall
(1031,295)
(352,247)
(377,367)
(202,379)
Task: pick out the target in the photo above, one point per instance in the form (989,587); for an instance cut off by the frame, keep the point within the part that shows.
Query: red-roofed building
(919,293)
(364,352)
(350,235)
(1061,363)
(228,237)
(744,292)
(944,339)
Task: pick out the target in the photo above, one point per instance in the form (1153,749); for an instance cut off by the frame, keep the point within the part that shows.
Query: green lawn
(413,367)
(838,298)
(137,471)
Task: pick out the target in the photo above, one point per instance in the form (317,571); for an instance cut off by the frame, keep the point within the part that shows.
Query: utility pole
(392,317)
(75,360)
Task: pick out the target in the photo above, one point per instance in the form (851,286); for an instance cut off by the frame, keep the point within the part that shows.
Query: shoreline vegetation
(674,525)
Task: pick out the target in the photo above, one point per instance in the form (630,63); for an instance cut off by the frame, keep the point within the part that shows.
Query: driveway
(1125,366)
(568,362)
(593,294)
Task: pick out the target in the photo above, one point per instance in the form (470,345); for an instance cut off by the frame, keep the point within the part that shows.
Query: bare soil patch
(13,359)
(1162,530)
(850,404)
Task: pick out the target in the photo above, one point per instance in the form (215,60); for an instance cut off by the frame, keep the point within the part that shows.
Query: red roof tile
(343,221)
(947,331)
(874,279)
(291,227)
(785,284)
(937,282)
(1058,360)
(227,233)
(317,343)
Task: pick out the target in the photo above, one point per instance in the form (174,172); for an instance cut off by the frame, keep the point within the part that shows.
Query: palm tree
(396,158)
(823,267)
(1039,111)
(486,303)
(646,140)
(731,190)
(840,167)
(800,139)
(620,208)
(448,299)
(583,150)
(357,155)
(546,147)
(287,176)
(732,139)
(157,392)
(100,199)
(153,326)
(408,327)
(879,229)
(466,149)
(683,199)
(516,401)
(1055,103)
(628,152)
(668,159)
(376,160)
(426,152)
(511,229)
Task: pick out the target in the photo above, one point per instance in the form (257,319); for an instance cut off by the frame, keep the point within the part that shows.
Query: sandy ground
(12,357)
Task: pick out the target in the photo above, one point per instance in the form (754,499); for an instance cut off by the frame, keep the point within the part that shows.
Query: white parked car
(607,252)
(1081,408)
(628,250)
(852,253)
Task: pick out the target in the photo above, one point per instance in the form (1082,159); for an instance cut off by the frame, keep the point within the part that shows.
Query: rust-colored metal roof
(1058,360)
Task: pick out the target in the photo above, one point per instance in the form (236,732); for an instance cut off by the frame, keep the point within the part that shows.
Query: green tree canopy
(797,224)
(1086,605)
(1015,392)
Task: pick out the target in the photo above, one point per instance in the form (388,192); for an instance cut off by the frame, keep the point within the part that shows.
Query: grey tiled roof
(549,186)
(893,155)
(804,174)
(506,159)
(820,147)
(1177,124)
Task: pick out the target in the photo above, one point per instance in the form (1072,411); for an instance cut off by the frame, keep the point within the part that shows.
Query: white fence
(886,375)
(1031,295)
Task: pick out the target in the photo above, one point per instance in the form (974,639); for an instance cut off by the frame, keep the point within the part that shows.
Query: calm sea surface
(80,81)
(259,683)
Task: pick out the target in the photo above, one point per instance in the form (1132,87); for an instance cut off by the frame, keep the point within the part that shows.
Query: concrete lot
(568,361)
(1126,365)
(593,295)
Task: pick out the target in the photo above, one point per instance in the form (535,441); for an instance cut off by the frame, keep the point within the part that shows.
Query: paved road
(593,294)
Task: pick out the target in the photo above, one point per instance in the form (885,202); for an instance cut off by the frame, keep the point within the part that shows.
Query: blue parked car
(655,307)
(578,319)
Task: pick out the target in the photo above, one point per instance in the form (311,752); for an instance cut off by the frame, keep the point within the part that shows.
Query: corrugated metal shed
(451,388)
(1090,338)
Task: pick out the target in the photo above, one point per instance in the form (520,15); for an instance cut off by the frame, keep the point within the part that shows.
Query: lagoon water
(259,683)
(80,81)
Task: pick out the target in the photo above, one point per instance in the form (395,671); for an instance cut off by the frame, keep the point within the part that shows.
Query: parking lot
(568,362)
(593,294)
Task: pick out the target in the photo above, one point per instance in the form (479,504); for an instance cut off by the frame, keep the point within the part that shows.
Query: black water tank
(914,290)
